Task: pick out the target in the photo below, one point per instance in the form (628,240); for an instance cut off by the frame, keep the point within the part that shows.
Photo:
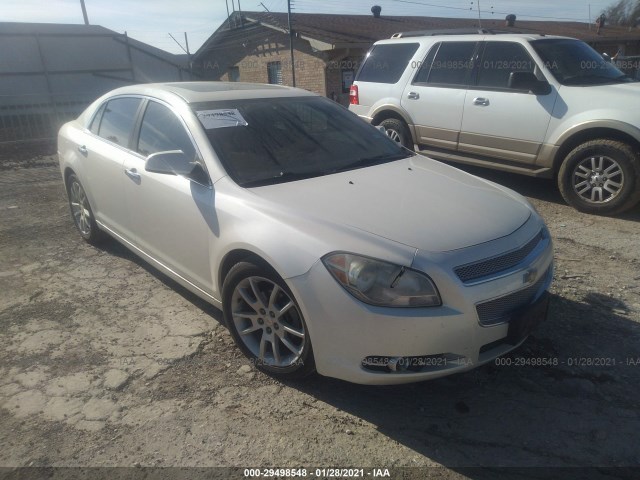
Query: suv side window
(386,63)
(452,64)
(499,60)
(425,67)
(118,119)
(161,131)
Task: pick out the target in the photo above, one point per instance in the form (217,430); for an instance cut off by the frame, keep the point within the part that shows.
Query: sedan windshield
(575,63)
(274,140)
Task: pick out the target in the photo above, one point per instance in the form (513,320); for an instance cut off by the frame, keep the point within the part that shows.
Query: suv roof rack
(449,31)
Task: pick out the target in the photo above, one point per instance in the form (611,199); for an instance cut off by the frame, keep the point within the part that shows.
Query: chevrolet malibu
(328,246)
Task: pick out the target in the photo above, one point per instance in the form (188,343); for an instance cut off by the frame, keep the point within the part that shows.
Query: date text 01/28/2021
(317,472)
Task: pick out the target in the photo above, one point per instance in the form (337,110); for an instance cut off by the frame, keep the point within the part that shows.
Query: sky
(152,21)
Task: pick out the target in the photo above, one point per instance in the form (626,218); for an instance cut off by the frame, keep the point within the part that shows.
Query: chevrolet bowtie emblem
(530,276)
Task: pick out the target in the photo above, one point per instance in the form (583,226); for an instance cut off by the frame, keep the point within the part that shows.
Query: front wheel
(601,177)
(398,132)
(266,323)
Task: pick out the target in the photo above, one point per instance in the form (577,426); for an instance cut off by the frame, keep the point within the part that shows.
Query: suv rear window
(386,63)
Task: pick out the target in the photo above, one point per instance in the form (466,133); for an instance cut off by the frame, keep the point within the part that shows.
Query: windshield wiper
(282,177)
(588,79)
(370,161)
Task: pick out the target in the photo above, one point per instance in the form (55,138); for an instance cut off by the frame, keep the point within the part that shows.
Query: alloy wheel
(598,179)
(393,135)
(268,322)
(80,208)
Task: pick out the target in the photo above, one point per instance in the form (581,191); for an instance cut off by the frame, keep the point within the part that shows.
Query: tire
(81,212)
(276,343)
(601,177)
(398,131)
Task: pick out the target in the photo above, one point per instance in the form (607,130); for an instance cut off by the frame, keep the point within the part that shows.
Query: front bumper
(438,341)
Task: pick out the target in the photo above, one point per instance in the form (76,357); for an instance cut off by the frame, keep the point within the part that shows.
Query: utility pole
(186,42)
(589,16)
(293,70)
(84,12)
(479,17)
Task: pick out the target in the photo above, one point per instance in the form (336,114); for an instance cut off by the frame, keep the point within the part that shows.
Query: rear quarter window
(386,63)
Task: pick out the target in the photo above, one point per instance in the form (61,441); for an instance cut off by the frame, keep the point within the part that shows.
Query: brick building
(328,49)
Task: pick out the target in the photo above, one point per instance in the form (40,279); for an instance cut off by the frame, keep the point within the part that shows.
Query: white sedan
(327,246)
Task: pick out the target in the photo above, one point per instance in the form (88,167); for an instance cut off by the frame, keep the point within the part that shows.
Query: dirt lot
(105,362)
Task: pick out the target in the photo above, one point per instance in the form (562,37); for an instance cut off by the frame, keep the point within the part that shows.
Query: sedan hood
(418,202)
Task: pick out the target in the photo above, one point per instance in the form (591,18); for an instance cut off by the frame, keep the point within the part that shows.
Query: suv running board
(486,162)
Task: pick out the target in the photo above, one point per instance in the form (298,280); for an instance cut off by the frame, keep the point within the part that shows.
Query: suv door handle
(481,101)
(132,173)
(83,150)
(413,95)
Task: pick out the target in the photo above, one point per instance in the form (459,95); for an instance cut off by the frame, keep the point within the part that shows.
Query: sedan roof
(196,92)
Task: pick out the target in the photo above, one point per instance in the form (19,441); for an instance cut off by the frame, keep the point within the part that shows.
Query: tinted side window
(453,63)
(162,131)
(499,60)
(386,63)
(95,123)
(425,67)
(117,120)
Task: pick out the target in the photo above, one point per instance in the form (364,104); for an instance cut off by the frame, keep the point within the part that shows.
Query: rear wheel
(81,211)
(397,131)
(266,322)
(601,177)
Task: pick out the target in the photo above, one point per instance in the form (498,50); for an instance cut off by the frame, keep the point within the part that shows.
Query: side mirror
(529,82)
(175,162)
(172,162)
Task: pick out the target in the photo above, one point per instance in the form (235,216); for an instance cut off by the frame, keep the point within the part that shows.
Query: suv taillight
(353,95)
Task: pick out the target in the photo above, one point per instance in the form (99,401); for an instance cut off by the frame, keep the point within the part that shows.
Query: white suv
(532,104)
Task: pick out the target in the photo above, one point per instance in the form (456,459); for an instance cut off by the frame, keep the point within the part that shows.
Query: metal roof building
(57,69)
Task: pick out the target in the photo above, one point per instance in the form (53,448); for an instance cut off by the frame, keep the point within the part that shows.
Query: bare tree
(623,12)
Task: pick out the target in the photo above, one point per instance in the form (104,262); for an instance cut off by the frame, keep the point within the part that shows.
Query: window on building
(117,120)
(234,74)
(274,72)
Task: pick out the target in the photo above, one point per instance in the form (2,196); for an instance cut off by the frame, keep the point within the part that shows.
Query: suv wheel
(600,176)
(398,131)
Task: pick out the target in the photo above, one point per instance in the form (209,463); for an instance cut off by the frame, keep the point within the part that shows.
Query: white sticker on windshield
(228,117)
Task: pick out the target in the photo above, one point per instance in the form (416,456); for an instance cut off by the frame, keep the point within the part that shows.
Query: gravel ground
(106,362)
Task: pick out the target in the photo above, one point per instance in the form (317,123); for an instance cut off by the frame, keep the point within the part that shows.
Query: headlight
(381,283)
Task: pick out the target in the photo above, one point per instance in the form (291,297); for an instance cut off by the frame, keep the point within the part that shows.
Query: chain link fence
(38,117)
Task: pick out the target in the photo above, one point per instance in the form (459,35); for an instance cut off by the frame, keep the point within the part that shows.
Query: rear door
(499,121)
(435,97)
(172,217)
(105,152)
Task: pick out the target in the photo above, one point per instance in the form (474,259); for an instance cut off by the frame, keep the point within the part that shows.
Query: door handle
(413,95)
(83,150)
(132,173)
(481,101)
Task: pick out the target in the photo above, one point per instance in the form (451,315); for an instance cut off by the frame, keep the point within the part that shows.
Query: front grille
(498,310)
(483,268)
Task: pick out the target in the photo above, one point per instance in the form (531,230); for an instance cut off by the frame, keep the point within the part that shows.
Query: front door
(172,217)
(501,122)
